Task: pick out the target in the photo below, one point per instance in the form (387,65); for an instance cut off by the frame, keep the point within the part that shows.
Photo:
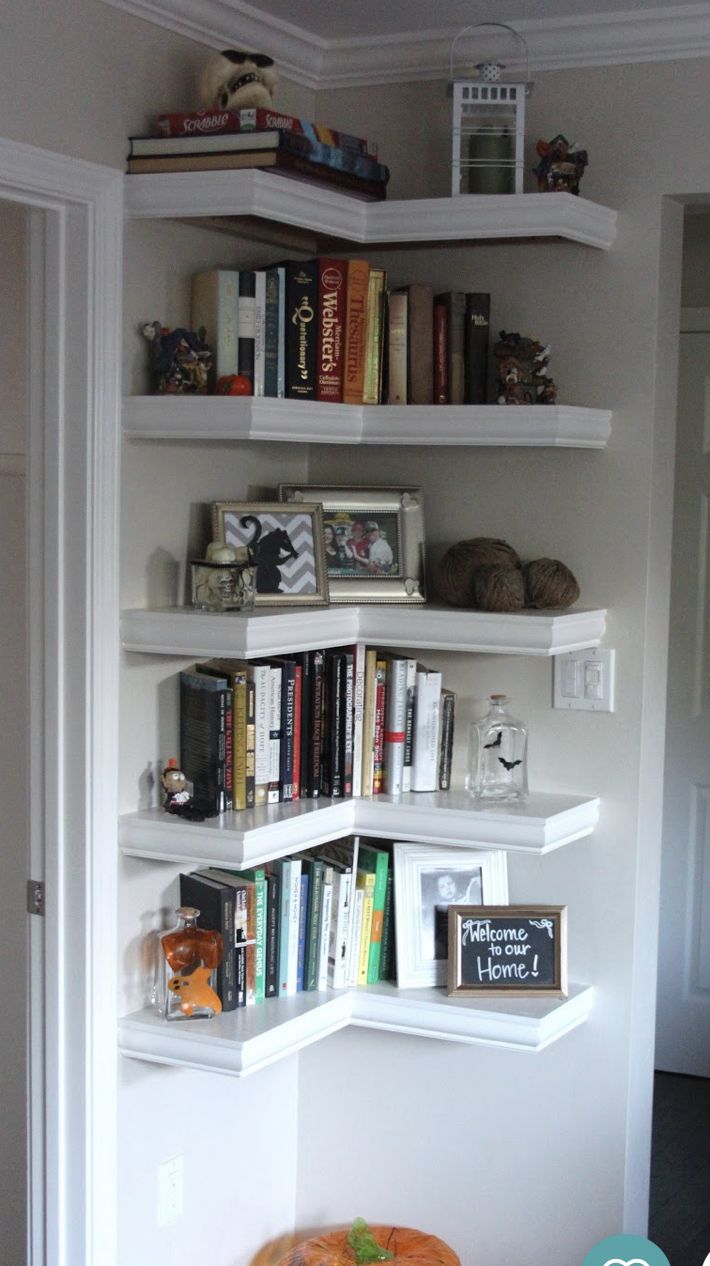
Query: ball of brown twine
(549,583)
(498,588)
(455,571)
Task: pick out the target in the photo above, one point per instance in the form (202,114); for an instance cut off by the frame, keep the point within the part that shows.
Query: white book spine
(259,332)
(215,296)
(260,674)
(293,922)
(358,709)
(426,731)
(355,934)
(395,721)
(326,914)
(411,682)
(340,917)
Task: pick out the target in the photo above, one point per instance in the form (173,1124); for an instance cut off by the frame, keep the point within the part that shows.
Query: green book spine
(387,950)
(315,870)
(258,875)
(377,860)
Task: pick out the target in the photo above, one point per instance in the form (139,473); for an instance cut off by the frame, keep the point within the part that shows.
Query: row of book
(331,330)
(228,140)
(321,919)
(335,723)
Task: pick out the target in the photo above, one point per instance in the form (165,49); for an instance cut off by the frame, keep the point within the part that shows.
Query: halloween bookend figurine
(237,80)
(561,165)
(180,360)
(177,798)
(486,574)
(521,376)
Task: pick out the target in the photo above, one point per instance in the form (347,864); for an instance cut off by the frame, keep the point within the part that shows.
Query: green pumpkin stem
(362,1242)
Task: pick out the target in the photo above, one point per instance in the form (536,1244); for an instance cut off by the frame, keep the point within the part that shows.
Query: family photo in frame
(373,540)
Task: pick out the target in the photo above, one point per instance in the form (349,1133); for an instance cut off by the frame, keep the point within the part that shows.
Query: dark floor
(680,1169)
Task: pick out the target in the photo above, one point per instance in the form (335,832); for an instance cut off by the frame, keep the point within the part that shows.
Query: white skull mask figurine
(235,80)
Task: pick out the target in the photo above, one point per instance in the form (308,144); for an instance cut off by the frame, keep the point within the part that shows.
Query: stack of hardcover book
(329,329)
(341,722)
(322,918)
(224,140)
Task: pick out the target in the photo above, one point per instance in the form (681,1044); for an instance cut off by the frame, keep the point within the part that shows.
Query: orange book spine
(356,330)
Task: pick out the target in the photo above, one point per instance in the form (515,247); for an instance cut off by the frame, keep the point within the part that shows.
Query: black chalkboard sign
(508,951)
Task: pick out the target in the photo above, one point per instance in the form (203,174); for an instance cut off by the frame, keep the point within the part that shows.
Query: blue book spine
(302,933)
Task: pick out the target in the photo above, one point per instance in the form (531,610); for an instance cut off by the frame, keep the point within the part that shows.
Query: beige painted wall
(13,733)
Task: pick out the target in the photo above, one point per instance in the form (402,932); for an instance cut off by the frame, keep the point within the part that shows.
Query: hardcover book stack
(340,722)
(330,329)
(322,918)
(225,140)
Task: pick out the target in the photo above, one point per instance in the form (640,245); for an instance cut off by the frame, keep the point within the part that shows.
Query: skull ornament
(236,80)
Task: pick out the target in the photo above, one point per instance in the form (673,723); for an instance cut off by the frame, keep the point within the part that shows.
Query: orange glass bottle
(191,957)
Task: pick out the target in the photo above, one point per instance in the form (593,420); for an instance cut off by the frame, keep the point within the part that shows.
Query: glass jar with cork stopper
(497,759)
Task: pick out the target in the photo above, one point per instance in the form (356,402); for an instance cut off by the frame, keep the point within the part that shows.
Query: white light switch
(584,680)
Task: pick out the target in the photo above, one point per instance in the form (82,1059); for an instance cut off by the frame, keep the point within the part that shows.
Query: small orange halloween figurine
(191,955)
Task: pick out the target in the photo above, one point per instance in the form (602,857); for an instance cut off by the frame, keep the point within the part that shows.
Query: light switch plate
(584,680)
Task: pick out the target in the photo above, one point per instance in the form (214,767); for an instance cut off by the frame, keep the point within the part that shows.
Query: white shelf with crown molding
(230,418)
(249,1039)
(323,211)
(268,631)
(539,824)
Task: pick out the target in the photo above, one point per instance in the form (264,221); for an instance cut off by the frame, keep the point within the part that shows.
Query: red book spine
(332,290)
(212,122)
(441,354)
(378,775)
(297,733)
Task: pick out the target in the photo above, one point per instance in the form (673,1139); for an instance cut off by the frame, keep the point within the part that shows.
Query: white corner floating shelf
(270,631)
(249,1039)
(542,822)
(323,211)
(231,418)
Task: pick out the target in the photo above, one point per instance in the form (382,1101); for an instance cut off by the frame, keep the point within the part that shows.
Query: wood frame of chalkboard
(507,951)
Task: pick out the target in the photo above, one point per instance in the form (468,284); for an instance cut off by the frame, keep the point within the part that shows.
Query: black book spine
(346,720)
(246,324)
(250,747)
(215,903)
(332,765)
(203,738)
(316,759)
(446,745)
(301,328)
(273,884)
(476,348)
(305,731)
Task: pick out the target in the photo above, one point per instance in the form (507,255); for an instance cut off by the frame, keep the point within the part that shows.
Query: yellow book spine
(372,389)
(366,881)
(355,330)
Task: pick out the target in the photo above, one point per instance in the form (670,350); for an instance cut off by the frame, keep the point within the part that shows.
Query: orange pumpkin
(361,1244)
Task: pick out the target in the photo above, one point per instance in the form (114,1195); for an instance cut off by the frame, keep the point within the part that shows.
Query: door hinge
(35,896)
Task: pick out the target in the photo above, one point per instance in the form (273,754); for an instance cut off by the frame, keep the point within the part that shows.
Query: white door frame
(72,478)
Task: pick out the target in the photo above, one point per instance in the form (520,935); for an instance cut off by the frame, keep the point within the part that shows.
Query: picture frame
(427,880)
(287,545)
(383,563)
(507,951)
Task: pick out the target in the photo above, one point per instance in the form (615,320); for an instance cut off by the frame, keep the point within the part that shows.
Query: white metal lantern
(488,124)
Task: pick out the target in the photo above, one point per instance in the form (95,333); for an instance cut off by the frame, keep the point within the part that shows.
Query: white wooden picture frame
(427,880)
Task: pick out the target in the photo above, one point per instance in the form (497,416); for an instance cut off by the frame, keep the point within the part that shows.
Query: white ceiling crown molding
(637,35)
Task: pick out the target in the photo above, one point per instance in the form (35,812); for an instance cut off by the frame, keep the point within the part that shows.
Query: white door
(14,834)
(683,1020)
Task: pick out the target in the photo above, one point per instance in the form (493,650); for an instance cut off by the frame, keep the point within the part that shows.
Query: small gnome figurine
(237,80)
(177,798)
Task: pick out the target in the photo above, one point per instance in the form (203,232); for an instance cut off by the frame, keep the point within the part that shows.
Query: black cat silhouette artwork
(268,553)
